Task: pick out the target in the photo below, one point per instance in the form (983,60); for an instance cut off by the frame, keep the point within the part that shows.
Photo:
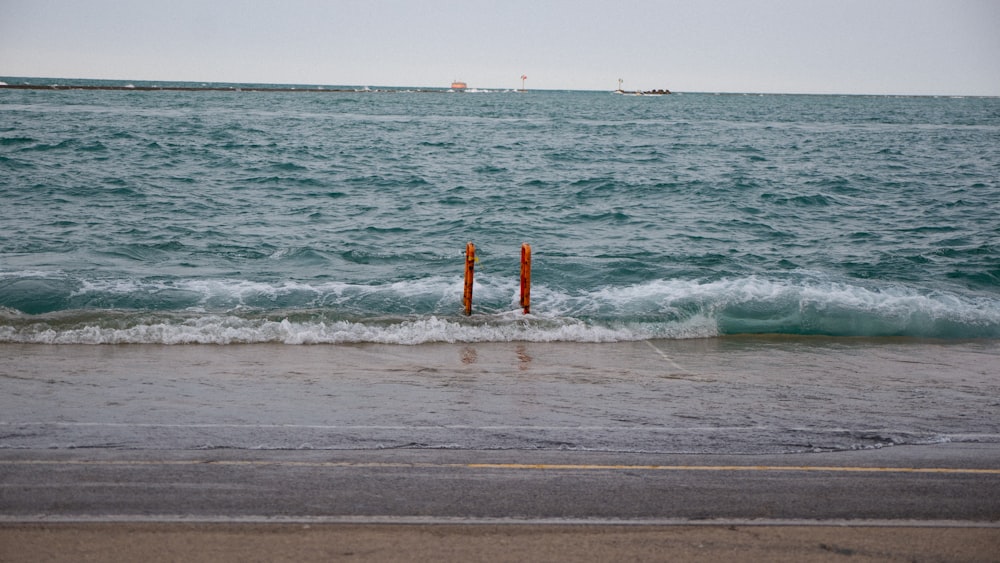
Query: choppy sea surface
(314,216)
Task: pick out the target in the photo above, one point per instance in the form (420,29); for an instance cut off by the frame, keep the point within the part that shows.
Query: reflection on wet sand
(469,355)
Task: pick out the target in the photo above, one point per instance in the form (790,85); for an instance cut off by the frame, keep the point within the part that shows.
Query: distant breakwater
(131,88)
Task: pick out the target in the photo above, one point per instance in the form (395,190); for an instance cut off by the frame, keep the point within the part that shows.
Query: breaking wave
(56,309)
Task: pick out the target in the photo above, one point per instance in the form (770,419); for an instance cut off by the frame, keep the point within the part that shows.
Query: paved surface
(903,503)
(949,482)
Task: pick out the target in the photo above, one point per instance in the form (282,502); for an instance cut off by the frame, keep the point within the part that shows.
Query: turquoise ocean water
(338,217)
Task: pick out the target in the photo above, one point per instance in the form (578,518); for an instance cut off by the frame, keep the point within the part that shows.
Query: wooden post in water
(470,266)
(526,277)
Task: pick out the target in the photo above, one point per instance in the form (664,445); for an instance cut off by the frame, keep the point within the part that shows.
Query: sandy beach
(310,542)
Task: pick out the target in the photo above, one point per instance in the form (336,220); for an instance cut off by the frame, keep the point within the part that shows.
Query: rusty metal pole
(470,266)
(526,277)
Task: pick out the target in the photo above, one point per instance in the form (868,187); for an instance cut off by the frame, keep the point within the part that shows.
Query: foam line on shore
(664,355)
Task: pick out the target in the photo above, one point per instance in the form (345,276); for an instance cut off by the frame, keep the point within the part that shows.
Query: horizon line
(348,88)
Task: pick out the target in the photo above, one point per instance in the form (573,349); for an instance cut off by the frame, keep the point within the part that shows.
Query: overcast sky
(813,46)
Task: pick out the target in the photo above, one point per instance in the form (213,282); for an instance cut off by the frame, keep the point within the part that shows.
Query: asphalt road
(934,503)
(942,483)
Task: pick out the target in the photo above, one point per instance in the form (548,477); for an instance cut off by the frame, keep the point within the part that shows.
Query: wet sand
(732,395)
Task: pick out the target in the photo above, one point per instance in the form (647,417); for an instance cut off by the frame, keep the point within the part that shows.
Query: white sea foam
(41,274)
(230,329)
(221,311)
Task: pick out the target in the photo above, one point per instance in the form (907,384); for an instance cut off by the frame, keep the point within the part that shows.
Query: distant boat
(457,85)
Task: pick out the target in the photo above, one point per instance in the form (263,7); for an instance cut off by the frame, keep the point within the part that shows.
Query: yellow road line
(843,469)
(512,466)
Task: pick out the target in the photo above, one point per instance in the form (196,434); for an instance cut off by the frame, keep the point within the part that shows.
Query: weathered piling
(470,266)
(526,277)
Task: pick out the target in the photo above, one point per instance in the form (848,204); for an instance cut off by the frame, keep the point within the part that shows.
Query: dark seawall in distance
(203,88)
